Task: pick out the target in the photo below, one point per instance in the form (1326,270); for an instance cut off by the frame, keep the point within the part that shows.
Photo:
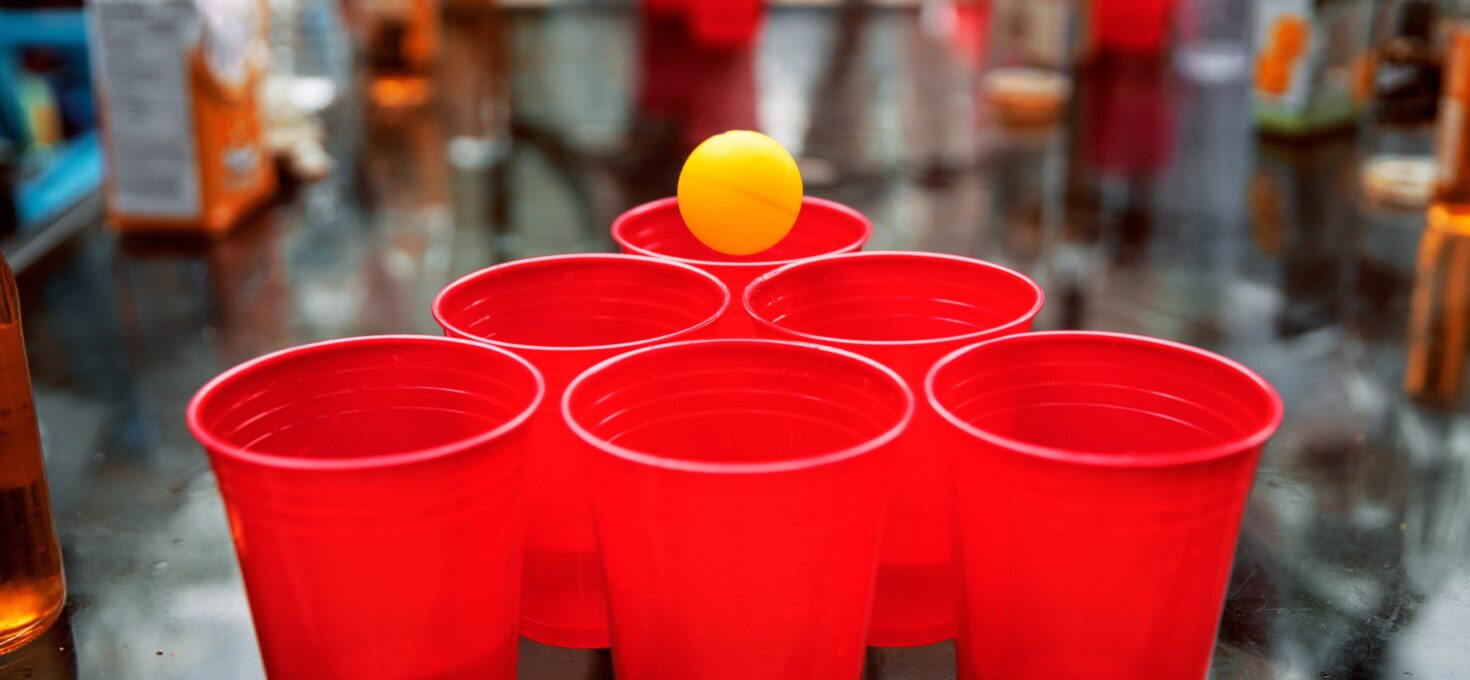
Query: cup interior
(737,402)
(1117,397)
(893,297)
(821,227)
(580,301)
(365,398)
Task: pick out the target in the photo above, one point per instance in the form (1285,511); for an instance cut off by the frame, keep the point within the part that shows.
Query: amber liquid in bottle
(1439,322)
(403,45)
(32,588)
(1439,331)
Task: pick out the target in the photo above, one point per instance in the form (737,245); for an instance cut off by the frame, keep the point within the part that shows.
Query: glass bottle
(51,655)
(1213,39)
(1399,139)
(402,45)
(32,588)
(1439,324)
(1031,52)
(310,51)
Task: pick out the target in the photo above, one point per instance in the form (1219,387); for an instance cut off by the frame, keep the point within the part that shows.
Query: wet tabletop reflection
(1151,207)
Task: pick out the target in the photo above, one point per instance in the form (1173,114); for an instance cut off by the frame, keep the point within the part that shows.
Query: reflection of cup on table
(372,487)
(739,488)
(565,313)
(905,310)
(822,227)
(1100,481)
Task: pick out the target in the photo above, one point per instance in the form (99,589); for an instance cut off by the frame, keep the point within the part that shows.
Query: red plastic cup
(905,310)
(739,487)
(372,487)
(1100,483)
(1131,26)
(725,23)
(822,227)
(565,313)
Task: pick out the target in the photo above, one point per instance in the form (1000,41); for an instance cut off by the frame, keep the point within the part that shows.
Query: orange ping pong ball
(739,192)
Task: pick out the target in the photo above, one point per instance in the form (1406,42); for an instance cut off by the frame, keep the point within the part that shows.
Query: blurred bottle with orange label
(1439,324)
(176,83)
(1402,95)
(402,42)
(1284,47)
(1304,68)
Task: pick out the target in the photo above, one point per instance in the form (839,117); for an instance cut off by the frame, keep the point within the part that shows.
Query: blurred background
(186,184)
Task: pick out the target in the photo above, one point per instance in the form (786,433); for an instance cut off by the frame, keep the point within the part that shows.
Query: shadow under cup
(372,487)
(906,311)
(565,313)
(739,487)
(1100,484)
(822,227)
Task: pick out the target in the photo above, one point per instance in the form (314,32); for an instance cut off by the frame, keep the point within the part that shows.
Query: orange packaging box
(176,83)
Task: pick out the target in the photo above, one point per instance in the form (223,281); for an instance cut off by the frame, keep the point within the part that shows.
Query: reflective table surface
(1151,208)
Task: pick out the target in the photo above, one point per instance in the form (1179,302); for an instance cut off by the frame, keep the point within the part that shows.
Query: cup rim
(217,445)
(437,308)
(1187,456)
(635,213)
(1011,326)
(740,468)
